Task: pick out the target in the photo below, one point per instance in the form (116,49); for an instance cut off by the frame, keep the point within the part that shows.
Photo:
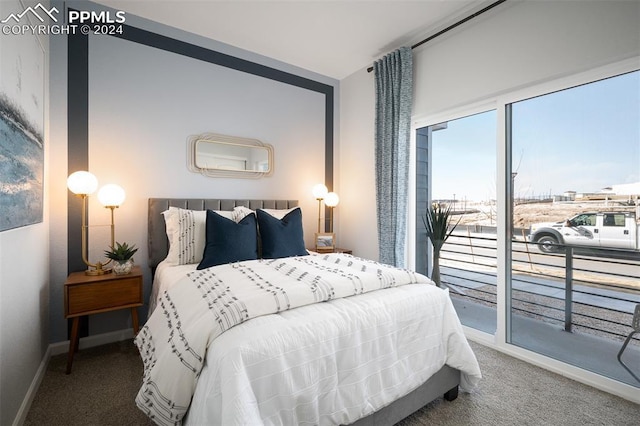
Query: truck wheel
(548,244)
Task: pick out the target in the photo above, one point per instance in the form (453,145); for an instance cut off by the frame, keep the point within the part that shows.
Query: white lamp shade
(82,183)
(331,199)
(111,195)
(319,191)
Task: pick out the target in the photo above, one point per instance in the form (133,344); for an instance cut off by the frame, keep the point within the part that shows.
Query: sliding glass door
(575,184)
(457,170)
(546,253)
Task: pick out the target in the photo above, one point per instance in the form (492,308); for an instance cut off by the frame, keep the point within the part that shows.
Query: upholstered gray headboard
(157,241)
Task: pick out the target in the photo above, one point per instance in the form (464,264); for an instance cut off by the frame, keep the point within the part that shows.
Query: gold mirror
(228,156)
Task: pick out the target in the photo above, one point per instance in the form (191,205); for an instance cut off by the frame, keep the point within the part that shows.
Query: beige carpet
(104,381)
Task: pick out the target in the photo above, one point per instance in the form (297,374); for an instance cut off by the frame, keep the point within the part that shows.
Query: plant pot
(435,272)
(122,267)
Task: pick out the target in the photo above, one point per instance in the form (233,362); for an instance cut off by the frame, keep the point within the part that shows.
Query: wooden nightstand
(335,250)
(87,294)
(342,250)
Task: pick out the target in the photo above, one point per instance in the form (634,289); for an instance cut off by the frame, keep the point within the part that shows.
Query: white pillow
(186,231)
(241,212)
(278,213)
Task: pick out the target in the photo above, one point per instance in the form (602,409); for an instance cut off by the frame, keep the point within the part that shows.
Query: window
(458,158)
(615,219)
(569,165)
(575,154)
(584,220)
(568,174)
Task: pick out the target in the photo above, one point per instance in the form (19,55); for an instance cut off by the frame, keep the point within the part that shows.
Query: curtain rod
(452,26)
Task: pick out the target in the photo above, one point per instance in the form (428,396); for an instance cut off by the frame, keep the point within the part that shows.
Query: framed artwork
(21,124)
(325,242)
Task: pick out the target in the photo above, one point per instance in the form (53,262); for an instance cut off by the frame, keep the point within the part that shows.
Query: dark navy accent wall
(78,106)
(183,48)
(78,137)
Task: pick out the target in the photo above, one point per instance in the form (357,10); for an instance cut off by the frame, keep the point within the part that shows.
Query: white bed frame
(444,383)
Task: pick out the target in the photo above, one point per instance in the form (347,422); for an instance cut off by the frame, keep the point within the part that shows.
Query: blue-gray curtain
(394,97)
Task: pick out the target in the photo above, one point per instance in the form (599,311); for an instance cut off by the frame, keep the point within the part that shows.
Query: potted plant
(122,257)
(436,222)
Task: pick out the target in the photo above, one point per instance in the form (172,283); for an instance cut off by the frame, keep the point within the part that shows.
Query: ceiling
(334,38)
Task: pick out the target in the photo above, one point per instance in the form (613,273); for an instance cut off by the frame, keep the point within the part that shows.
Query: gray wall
(143,104)
(423,262)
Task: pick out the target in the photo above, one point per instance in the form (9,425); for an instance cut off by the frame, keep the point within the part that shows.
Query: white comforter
(326,363)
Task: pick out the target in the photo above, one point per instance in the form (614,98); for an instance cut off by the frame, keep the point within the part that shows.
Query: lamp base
(97,271)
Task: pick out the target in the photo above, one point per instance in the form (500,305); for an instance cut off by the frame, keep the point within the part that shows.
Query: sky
(581,139)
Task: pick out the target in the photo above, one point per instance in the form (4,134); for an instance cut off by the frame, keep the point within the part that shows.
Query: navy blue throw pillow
(281,237)
(228,241)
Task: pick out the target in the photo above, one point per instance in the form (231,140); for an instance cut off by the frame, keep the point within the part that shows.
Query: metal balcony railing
(591,291)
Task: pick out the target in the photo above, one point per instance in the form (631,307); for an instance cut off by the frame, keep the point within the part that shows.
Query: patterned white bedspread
(309,365)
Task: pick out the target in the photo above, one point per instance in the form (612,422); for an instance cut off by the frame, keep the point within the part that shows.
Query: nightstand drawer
(87,298)
(84,294)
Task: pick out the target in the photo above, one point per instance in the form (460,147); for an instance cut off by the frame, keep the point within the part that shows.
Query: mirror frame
(193,140)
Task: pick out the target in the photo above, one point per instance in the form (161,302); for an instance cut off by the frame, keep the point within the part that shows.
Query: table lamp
(111,196)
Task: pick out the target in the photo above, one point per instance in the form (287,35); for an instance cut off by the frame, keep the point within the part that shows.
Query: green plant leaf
(121,251)
(436,222)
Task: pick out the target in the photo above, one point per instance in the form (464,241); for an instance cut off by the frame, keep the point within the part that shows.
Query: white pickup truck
(593,229)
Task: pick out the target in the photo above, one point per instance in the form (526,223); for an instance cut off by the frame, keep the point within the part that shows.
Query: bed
(372,352)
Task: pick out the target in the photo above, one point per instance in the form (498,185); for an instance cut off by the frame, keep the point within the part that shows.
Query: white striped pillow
(186,231)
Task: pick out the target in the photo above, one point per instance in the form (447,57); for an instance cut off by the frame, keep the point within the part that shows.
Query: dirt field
(526,214)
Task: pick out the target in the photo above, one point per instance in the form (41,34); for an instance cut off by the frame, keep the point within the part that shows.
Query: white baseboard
(21,416)
(58,349)
(91,341)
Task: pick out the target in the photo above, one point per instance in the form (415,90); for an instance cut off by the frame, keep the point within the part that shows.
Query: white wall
(520,44)
(358,224)
(24,270)
(515,45)
(24,299)
(144,103)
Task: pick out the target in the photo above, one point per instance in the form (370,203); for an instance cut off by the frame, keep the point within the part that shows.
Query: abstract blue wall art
(21,169)
(22,76)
